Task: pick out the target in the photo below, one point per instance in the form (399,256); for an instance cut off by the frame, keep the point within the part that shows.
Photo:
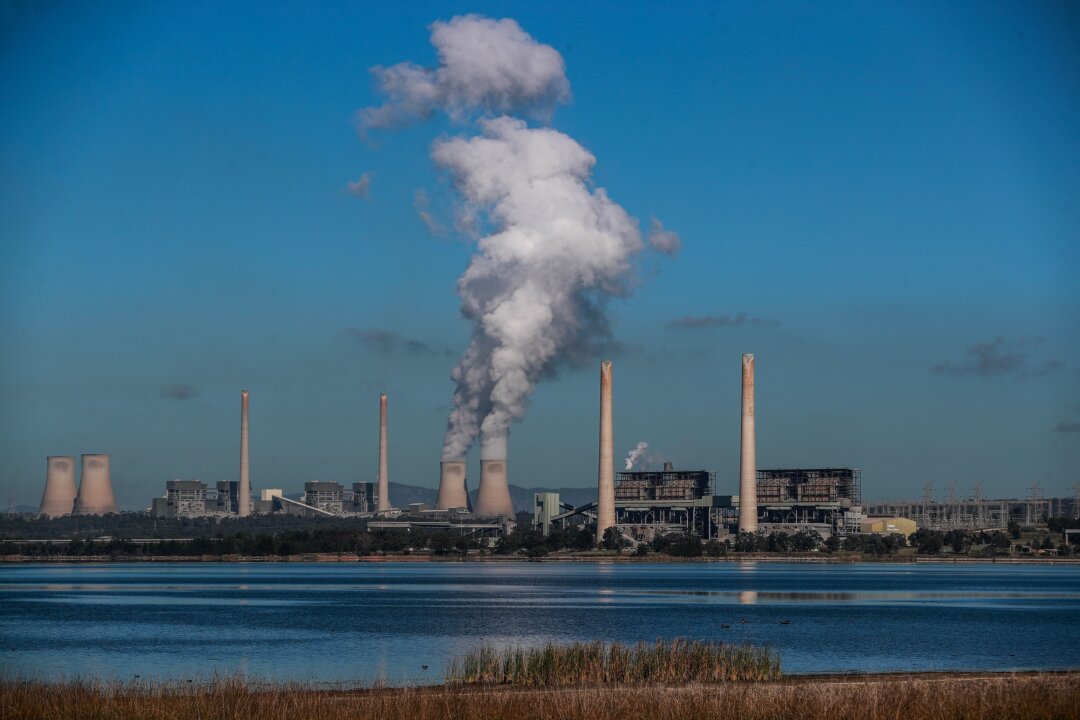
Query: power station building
(648,504)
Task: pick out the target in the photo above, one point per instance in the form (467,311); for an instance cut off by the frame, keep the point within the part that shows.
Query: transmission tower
(1034,500)
(1076,501)
(926,518)
(977,499)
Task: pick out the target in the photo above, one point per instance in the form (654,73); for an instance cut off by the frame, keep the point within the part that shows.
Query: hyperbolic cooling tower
(95,489)
(243,502)
(452,492)
(383,488)
(493,496)
(605,481)
(748,455)
(60,490)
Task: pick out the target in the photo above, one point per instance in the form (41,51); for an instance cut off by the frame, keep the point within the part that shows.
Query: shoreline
(583,558)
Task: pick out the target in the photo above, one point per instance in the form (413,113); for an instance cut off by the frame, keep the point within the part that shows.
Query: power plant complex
(638,505)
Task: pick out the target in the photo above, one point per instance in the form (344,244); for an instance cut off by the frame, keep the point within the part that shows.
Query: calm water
(363,621)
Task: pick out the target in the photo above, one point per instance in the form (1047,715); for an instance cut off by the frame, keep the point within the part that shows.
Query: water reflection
(356,622)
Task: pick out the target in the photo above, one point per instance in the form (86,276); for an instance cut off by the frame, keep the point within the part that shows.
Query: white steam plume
(554,249)
(537,286)
(484,64)
(634,455)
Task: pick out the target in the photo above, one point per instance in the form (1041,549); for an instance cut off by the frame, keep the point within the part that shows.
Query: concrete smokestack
(383,488)
(60,490)
(493,496)
(95,489)
(243,503)
(605,481)
(452,492)
(748,455)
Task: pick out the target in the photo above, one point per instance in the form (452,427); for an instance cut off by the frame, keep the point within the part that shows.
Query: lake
(359,622)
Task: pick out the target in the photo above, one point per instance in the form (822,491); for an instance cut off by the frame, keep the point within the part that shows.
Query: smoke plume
(634,455)
(552,249)
(484,64)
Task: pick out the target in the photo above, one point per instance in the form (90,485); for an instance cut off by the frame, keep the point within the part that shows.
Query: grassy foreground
(677,662)
(1021,697)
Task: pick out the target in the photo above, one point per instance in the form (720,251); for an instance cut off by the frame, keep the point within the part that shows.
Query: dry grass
(1023,697)
(675,662)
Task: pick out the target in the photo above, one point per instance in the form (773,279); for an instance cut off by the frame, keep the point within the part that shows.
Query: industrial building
(642,505)
(826,499)
(192,498)
(648,504)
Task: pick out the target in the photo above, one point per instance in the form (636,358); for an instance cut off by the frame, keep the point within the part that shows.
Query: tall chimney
(748,456)
(452,492)
(243,503)
(605,481)
(384,476)
(95,489)
(60,491)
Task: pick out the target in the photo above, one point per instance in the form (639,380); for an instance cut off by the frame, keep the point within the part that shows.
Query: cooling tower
(605,481)
(60,490)
(383,488)
(452,493)
(748,454)
(243,501)
(95,489)
(493,497)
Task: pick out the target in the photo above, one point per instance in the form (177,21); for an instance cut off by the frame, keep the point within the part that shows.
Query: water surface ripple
(352,622)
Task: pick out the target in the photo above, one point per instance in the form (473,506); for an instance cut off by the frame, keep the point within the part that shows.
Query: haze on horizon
(879,202)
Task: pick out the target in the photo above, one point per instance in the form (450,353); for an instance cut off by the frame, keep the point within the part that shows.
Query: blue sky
(891,189)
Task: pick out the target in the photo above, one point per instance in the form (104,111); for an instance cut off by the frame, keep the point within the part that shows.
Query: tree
(1014,529)
(686,546)
(613,539)
(805,540)
(928,542)
(746,542)
(958,540)
(715,548)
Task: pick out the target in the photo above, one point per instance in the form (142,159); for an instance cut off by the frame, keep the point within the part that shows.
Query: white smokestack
(605,483)
(243,503)
(384,475)
(60,490)
(748,456)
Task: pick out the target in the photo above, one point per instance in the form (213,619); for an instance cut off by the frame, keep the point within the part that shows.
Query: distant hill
(402,495)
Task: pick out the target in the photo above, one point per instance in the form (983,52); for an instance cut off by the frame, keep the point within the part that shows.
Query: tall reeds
(674,662)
